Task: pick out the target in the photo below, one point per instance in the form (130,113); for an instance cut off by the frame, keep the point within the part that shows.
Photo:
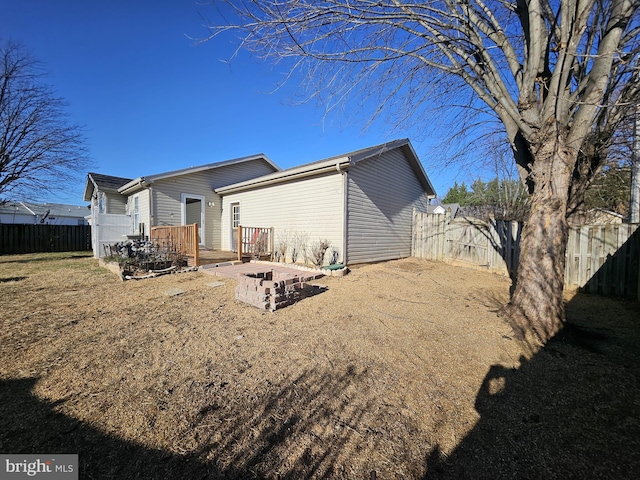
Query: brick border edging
(322,272)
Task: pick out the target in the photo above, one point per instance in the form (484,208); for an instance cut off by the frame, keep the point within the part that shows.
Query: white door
(235,223)
(193,212)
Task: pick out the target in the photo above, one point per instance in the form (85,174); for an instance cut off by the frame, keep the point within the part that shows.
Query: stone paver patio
(231,270)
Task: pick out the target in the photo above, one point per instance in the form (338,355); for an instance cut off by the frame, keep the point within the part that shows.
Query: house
(442,208)
(107,210)
(595,216)
(361,202)
(33,213)
(179,197)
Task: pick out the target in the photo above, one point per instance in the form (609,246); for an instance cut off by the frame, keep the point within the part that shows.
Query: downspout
(152,211)
(345,210)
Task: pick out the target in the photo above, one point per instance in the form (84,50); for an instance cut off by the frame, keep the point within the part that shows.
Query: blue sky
(151,100)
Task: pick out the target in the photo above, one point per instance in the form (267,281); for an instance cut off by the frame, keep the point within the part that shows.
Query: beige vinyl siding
(311,206)
(115,203)
(168,192)
(381,194)
(145,216)
(143,207)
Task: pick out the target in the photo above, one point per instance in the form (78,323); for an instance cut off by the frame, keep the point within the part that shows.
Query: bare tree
(39,149)
(558,75)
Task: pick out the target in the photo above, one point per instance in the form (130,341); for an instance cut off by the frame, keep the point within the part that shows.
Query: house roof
(42,209)
(141,182)
(337,163)
(105,183)
(442,208)
(14,208)
(57,209)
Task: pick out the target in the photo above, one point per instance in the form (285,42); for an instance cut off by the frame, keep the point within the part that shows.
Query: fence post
(196,246)
(239,243)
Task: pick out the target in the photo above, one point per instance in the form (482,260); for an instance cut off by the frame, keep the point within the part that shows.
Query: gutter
(339,166)
(133,185)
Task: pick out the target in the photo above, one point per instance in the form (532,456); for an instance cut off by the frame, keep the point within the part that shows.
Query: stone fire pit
(274,290)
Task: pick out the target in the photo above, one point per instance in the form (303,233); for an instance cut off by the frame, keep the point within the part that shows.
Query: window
(235,212)
(136,214)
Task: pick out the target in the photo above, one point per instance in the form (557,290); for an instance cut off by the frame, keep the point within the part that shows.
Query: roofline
(87,196)
(317,168)
(337,164)
(59,209)
(142,182)
(423,178)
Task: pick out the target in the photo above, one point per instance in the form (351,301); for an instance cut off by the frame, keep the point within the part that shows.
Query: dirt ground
(401,369)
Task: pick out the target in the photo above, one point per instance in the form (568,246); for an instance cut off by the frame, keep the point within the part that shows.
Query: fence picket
(600,258)
(19,238)
(182,239)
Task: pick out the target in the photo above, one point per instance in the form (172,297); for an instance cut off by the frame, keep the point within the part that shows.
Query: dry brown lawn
(399,370)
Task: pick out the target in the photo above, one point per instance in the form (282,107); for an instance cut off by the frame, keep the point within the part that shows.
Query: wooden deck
(207,257)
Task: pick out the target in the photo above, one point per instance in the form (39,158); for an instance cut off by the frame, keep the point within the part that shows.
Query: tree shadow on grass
(30,425)
(12,279)
(570,411)
(279,435)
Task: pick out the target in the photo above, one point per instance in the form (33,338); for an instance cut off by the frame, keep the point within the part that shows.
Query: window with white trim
(235,209)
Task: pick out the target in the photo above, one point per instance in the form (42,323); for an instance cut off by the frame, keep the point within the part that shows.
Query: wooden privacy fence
(254,242)
(600,258)
(182,239)
(16,238)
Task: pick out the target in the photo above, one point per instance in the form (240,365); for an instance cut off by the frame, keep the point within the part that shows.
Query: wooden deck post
(239,243)
(271,242)
(196,246)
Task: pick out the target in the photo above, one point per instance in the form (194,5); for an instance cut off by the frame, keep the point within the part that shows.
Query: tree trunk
(536,309)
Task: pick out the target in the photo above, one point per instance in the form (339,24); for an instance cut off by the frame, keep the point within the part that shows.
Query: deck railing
(181,239)
(254,242)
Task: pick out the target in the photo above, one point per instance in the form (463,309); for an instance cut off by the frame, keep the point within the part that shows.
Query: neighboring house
(443,208)
(43,213)
(362,202)
(15,212)
(595,216)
